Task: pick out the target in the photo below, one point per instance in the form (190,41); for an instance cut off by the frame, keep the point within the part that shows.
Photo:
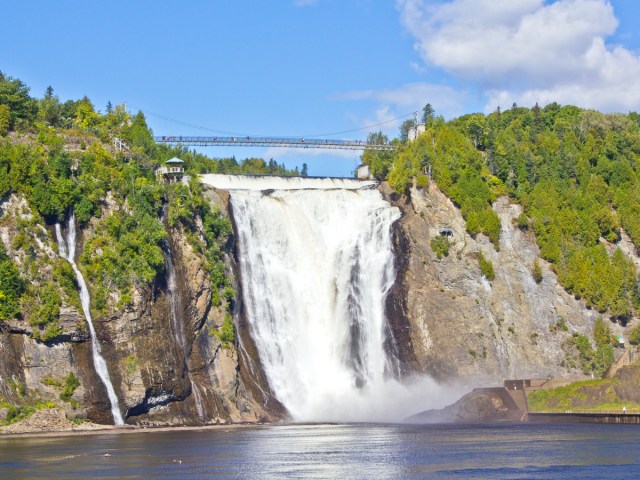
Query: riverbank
(52,422)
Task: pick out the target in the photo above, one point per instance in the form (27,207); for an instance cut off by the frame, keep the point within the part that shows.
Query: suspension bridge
(287,142)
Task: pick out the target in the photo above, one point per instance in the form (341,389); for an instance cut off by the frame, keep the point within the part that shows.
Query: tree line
(58,157)
(574,171)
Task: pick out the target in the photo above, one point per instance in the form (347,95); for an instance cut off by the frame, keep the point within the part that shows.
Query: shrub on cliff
(440,246)
(536,271)
(486,267)
(11,286)
(71,382)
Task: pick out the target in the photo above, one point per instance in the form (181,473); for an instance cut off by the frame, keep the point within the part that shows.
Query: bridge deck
(288,142)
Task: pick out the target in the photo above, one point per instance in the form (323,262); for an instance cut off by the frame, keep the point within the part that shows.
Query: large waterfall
(316,266)
(67,250)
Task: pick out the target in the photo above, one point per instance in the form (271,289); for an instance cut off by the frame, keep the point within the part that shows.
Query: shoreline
(126,429)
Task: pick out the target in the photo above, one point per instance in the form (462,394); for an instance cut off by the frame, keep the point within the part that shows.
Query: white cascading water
(67,250)
(316,268)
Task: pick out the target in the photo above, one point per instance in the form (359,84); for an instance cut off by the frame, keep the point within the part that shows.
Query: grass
(17,413)
(563,399)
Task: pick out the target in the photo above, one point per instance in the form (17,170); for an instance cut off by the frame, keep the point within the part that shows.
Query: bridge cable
(226,132)
(367,127)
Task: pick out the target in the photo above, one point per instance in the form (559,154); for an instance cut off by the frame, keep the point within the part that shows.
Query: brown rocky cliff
(457,324)
(175,370)
(163,371)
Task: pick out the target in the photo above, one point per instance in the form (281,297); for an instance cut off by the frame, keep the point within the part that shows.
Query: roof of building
(174,160)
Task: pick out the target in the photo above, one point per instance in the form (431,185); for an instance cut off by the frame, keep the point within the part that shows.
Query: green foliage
(561,325)
(18,413)
(428,113)
(131,364)
(15,95)
(226,334)
(574,171)
(379,161)
(595,361)
(486,267)
(125,250)
(5,118)
(440,246)
(602,333)
(536,271)
(634,336)
(11,286)
(186,204)
(522,221)
(404,129)
(45,312)
(575,395)
(71,382)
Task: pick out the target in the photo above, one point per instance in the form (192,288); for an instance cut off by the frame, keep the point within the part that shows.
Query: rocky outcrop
(458,324)
(481,405)
(169,366)
(166,369)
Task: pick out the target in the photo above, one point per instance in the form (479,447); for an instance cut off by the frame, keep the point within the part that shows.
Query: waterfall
(316,268)
(266,182)
(67,250)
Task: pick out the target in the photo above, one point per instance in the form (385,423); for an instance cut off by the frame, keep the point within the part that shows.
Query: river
(324,451)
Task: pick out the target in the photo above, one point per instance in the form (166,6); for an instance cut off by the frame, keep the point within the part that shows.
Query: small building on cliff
(172,171)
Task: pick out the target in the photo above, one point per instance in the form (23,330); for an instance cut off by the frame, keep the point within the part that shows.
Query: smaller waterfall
(67,250)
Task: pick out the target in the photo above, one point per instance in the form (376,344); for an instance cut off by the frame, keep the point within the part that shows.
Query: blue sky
(310,67)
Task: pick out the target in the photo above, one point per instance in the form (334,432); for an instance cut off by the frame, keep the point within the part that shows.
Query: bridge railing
(291,142)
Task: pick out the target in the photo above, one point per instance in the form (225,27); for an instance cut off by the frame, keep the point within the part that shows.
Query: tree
(15,94)
(5,119)
(379,161)
(85,115)
(304,171)
(11,286)
(49,108)
(140,133)
(405,127)
(428,113)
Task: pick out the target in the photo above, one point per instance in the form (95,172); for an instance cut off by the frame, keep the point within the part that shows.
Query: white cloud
(528,50)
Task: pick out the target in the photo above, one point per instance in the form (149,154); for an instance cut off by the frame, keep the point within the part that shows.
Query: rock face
(479,406)
(453,323)
(446,320)
(165,365)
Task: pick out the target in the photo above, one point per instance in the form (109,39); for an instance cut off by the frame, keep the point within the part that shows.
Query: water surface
(334,451)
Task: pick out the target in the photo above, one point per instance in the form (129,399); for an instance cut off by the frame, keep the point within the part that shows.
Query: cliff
(454,323)
(166,368)
(169,366)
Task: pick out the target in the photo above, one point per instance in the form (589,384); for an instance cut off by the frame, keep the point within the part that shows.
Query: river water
(351,451)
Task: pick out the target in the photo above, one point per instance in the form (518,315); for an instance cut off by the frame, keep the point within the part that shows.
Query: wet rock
(478,406)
